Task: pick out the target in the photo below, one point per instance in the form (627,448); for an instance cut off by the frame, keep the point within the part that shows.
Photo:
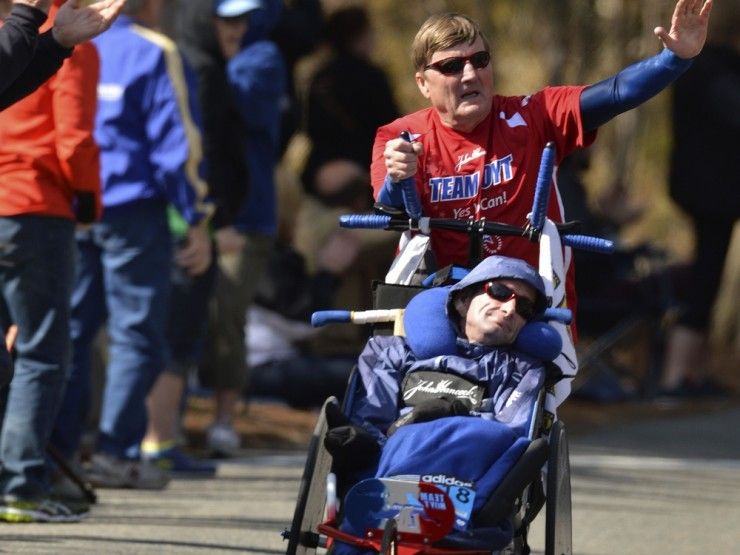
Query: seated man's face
(490,321)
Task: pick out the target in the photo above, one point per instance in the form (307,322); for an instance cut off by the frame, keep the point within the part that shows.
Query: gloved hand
(431,409)
(351,447)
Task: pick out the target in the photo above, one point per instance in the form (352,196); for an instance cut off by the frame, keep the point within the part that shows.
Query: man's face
(462,100)
(230,31)
(492,322)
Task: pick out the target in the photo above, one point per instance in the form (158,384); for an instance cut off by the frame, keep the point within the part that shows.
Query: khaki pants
(225,363)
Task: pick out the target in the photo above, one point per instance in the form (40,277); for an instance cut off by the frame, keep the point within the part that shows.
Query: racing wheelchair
(433,513)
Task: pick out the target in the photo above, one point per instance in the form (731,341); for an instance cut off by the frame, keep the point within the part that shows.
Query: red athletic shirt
(491,171)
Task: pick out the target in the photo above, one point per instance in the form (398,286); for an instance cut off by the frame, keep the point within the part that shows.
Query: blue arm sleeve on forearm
(629,88)
(391,193)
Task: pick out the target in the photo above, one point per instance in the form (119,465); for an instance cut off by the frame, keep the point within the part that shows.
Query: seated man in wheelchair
(453,400)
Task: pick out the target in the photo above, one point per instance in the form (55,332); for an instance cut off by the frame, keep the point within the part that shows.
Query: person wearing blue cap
(234,8)
(242,82)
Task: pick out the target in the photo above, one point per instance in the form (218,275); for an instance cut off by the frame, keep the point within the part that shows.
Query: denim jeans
(37,257)
(123,275)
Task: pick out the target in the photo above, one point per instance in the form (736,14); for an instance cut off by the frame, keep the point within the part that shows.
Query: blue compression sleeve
(629,88)
(390,194)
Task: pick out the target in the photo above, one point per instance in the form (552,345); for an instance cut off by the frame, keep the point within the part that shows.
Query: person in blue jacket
(408,421)
(246,222)
(147,129)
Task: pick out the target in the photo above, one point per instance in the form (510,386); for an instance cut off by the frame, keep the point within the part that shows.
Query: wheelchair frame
(308,533)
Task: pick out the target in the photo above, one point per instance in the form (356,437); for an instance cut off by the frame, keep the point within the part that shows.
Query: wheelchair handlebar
(542,187)
(401,223)
(408,189)
(365,221)
(323,317)
(588,243)
(563,315)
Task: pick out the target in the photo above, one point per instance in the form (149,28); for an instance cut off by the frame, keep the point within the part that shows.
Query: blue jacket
(258,78)
(501,371)
(147,123)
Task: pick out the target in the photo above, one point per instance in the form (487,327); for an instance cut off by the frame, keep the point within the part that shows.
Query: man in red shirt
(49,178)
(475,154)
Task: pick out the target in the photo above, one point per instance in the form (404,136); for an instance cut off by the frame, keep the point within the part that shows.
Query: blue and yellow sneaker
(168,457)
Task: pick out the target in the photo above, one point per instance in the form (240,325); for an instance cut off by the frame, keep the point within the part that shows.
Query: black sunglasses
(524,307)
(455,65)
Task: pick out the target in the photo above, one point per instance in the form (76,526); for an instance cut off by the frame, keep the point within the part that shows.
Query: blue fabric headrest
(540,340)
(430,333)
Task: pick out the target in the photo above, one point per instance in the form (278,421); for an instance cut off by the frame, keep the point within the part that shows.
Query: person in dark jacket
(349,97)
(704,175)
(28,59)
(244,121)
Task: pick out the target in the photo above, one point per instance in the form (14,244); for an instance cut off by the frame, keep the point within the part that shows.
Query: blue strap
(629,88)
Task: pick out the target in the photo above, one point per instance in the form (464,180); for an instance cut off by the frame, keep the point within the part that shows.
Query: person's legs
(88,314)
(136,261)
(225,362)
(687,343)
(186,328)
(37,273)
(185,337)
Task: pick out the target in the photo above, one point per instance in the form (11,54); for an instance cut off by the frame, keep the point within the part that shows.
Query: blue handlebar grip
(563,315)
(589,243)
(410,198)
(542,187)
(323,317)
(408,189)
(364,221)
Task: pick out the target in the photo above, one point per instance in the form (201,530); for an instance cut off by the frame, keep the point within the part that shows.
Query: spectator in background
(255,79)
(28,59)
(50,178)
(150,156)
(705,171)
(349,97)
(186,328)
(299,31)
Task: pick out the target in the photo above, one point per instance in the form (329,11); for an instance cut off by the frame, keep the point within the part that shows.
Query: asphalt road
(658,485)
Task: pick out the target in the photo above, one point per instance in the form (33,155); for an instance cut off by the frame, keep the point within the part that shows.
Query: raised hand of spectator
(688,28)
(76,23)
(195,254)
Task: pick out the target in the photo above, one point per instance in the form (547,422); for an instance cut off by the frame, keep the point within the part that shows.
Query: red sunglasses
(524,307)
(456,64)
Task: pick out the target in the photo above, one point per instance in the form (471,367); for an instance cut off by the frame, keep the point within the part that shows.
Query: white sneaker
(105,471)
(222,441)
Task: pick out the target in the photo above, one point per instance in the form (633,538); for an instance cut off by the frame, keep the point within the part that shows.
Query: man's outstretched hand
(688,28)
(75,24)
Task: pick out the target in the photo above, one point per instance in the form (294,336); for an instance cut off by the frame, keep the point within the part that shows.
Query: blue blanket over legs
(469,448)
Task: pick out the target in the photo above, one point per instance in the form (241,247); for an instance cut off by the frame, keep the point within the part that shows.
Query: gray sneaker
(106,471)
(222,441)
(13,510)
